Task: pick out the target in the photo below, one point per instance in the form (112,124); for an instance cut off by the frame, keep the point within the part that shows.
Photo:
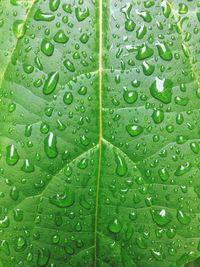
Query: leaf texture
(99,133)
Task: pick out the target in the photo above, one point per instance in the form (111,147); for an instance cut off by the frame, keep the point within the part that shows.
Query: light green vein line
(100,130)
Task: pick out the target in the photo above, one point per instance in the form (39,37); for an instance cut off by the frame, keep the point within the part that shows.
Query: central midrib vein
(100,127)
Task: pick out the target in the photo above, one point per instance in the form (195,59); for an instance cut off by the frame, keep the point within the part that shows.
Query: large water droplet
(12,155)
(164,51)
(69,65)
(64,200)
(40,16)
(182,169)
(144,52)
(115,226)
(162,90)
(161,216)
(51,83)
(183,218)
(47,47)
(19,28)
(130,96)
(50,146)
(134,129)
(81,14)
(60,37)
(121,169)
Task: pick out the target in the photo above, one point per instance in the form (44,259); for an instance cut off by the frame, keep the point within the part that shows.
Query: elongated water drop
(47,47)
(50,146)
(69,65)
(121,168)
(43,257)
(183,218)
(164,51)
(182,169)
(158,116)
(54,4)
(12,155)
(51,83)
(40,16)
(147,68)
(19,28)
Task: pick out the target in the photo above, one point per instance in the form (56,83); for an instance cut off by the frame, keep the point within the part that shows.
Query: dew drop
(51,83)
(134,129)
(50,146)
(12,155)
(162,90)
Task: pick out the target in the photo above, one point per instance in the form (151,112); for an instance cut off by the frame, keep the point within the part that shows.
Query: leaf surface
(99,135)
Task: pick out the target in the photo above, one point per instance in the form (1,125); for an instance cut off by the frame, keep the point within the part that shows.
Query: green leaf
(99,133)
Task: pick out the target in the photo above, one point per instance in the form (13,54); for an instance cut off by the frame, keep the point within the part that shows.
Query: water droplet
(81,14)
(164,51)
(82,90)
(121,169)
(18,215)
(84,140)
(158,116)
(141,31)
(162,90)
(134,130)
(14,193)
(161,216)
(69,65)
(194,147)
(28,167)
(64,200)
(50,146)
(83,164)
(47,47)
(183,169)
(54,4)
(68,98)
(164,175)
(12,155)
(20,243)
(40,16)
(67,8)
(183,9)
(157,255)
(144,52)
(84,38)
(43,257)
(145,15)
(19,28)
(129,25)
(28,68)
(183,218)
(4,223)
(51,83)
(166,8)
(130,96)
(60,37)
(147,68)
(4,247)
(115,226)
